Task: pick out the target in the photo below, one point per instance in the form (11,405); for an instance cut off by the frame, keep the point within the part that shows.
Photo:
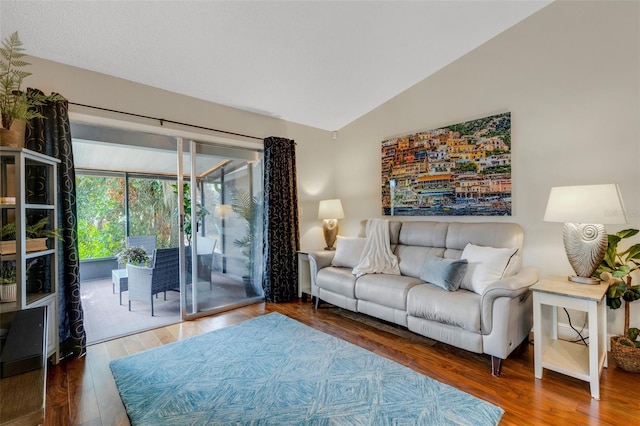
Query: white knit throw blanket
(377,257)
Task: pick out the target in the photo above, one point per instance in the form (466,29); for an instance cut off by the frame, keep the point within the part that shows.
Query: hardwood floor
(83,392)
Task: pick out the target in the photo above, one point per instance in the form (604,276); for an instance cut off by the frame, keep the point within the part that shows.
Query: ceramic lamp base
(330,232)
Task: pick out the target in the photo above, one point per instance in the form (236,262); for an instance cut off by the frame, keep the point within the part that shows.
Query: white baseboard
(565,332)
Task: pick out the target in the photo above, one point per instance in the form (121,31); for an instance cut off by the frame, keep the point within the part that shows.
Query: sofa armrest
(512,287)
(318,260)
(321,258)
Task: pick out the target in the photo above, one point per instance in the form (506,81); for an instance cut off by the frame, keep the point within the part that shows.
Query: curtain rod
(162,121)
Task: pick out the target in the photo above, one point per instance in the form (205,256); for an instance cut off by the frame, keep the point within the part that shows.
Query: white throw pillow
(348,251)
(486,265)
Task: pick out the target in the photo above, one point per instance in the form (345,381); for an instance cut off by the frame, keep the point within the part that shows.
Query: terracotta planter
(14,137)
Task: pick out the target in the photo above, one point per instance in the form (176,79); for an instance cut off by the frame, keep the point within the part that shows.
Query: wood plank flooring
(83,392)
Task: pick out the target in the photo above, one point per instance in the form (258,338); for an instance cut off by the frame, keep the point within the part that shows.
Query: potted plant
(201,211)
(247,207)
(134,255)
(8,276)
(8,282)
(625,349)
(16,105)
(36,236)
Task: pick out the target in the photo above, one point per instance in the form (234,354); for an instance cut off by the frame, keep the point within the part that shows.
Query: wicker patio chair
(147,242)
(162,276)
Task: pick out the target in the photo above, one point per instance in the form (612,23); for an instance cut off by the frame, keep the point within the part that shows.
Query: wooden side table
(573,359)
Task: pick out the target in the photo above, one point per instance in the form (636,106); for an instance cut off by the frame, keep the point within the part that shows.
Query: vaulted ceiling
(319,63)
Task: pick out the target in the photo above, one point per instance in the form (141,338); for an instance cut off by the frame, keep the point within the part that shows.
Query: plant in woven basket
(620,264)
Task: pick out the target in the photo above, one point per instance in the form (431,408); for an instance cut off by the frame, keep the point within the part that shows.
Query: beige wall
(570,77)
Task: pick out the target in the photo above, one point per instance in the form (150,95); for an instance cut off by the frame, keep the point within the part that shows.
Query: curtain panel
(51,135)
(280,215)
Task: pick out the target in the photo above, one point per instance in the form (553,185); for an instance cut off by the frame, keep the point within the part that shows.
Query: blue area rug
(273,370)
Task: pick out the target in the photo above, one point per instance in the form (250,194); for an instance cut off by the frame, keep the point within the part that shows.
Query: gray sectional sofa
(491,311)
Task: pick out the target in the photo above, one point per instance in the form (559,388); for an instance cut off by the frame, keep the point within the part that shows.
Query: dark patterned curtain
(51,136)
(281,231)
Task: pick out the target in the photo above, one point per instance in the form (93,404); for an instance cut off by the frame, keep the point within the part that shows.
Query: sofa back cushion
(394,231)
(417,241)
(411,258)
(488,234)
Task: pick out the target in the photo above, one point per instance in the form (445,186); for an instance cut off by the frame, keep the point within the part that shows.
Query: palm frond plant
(248,207)
(16,104)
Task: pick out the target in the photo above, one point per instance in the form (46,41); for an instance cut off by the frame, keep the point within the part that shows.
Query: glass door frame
(185,312)
(193,310)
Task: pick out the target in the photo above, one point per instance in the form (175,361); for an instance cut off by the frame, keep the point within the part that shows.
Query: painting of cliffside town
(459,170)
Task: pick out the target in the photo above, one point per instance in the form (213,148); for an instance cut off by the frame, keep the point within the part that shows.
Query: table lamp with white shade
(330,211)
(584,210)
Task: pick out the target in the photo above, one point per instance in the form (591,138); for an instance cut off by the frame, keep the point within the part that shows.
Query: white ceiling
(319,63)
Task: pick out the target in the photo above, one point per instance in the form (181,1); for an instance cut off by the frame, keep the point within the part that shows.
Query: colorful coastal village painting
(459,170)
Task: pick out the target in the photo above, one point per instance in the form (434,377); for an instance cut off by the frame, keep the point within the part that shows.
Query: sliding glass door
(221,232)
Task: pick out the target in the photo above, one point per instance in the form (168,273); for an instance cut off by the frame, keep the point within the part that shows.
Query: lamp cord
(582,338)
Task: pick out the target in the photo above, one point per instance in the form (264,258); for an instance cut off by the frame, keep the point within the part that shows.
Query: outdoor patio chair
(147,242)
(163,275)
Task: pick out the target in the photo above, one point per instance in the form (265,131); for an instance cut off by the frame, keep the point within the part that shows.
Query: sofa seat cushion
(386,290)
(337,280)
(458,308)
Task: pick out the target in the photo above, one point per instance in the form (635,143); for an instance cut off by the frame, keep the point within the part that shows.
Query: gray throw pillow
(445,273)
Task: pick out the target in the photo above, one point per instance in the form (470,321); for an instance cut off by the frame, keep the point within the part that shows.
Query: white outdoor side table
(573,359)
(120,280)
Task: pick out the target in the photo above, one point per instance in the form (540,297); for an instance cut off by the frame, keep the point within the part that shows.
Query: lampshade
(330,209)
(585,209)
(600,204)
(223,210)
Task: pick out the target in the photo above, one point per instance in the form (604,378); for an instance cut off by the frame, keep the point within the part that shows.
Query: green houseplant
(247,207)
(201,212)
(8,277)
(134,255)
(8,282)
(620,264)
(16,105)
(37,230)
(36,233)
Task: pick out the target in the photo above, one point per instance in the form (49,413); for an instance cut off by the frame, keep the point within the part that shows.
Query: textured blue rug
(273,370)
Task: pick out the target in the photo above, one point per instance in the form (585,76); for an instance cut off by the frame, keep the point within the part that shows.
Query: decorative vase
(14,136)
(8,292)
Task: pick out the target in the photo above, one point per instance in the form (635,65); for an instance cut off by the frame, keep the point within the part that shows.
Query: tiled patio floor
(105,318)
